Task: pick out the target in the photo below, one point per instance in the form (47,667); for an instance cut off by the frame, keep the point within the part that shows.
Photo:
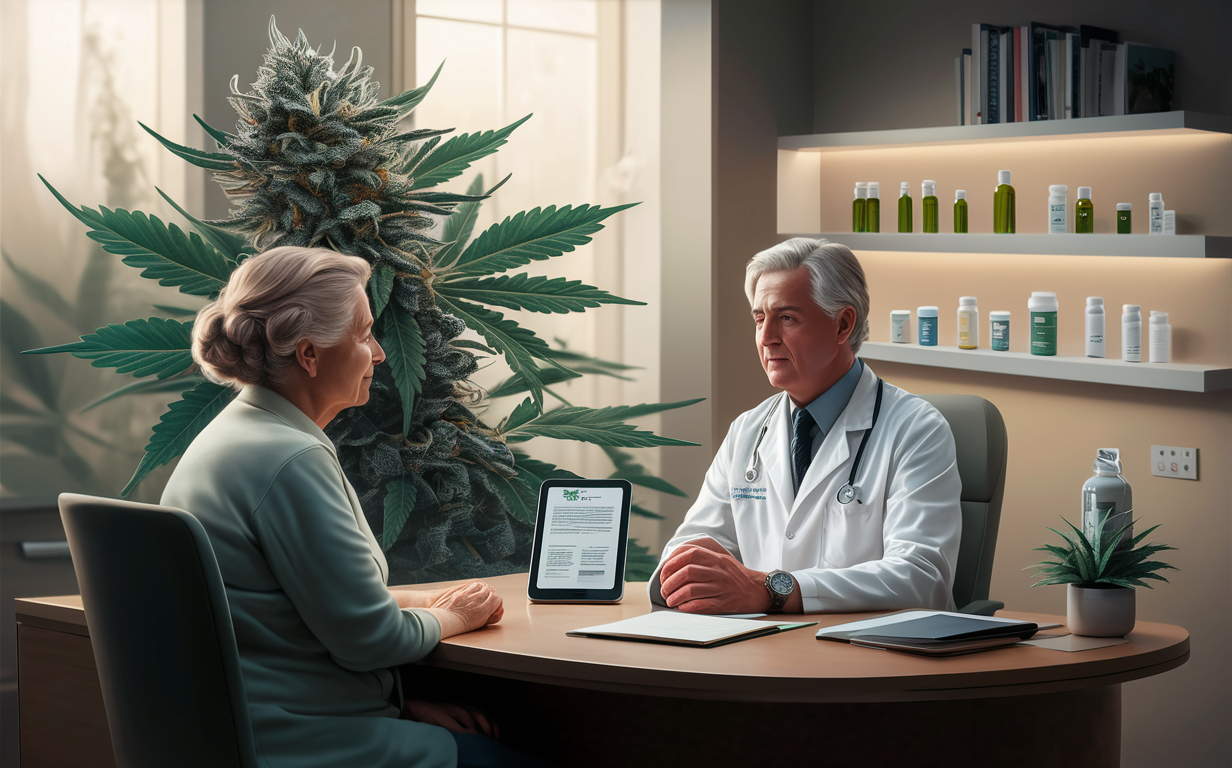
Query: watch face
(782,583)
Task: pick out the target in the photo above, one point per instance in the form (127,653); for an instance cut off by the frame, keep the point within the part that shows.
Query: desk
(782,700)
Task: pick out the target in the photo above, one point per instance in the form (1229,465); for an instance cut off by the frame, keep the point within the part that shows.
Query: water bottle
(1107,496)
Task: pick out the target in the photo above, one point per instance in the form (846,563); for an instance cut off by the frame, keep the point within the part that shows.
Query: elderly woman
(317,628)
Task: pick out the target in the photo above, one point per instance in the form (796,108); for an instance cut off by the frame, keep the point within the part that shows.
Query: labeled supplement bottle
(904,208)
(926,320)
(1108,497)
(1043,308)
(999,330)
(859,207)
(1058,209)
(872,208)
(1084,212)
(1125,218)
(900,326)
(1131,333)
(960,211)
(1155,214)
(929,203)
(1169,222)
(1161,338)
(968,323)
(1003,204)
(1095,326)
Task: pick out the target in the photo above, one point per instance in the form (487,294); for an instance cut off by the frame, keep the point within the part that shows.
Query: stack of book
(1046,72)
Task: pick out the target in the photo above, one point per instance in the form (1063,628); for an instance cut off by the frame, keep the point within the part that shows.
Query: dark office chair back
(162,635)
(981,443)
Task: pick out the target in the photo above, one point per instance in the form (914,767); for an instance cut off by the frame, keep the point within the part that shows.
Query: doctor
(840,493)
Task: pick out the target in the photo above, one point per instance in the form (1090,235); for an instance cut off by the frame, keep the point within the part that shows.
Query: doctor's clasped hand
(702,577)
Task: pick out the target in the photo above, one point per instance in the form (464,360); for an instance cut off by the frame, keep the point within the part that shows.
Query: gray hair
(836,277)
(249,333)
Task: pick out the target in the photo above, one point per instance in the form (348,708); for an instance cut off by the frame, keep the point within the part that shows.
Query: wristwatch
(780,585)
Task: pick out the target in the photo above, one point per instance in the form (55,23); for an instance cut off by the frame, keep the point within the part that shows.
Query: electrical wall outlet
(1171,461)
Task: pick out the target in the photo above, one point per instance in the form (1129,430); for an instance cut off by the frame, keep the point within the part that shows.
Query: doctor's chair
(162,635)
(980,442)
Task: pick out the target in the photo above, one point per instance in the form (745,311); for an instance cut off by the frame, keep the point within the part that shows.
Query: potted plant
(1101,575)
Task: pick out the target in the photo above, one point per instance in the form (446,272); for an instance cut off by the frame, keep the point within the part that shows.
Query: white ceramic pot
(1100,611)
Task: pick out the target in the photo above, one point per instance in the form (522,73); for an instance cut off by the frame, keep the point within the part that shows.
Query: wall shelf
(1170,246)
(1174,376)
(1155,124)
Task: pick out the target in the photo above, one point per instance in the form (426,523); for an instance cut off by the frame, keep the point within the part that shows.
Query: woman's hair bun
(272,301)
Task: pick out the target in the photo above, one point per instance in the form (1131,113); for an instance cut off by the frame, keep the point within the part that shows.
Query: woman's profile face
(344,370)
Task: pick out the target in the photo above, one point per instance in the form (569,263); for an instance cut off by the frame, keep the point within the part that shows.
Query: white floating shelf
(1175,376)
(1162,246)
(1156,124)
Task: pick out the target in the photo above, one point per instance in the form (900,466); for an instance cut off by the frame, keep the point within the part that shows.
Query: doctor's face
(802,350)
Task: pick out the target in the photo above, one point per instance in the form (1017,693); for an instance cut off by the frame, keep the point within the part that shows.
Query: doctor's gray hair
(249,333)
(836,277)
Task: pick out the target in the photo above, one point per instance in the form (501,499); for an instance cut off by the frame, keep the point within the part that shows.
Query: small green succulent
(1107,561)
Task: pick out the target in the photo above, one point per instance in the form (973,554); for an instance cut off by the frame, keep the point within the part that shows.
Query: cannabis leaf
(456,155)
(211,161)
(627,468)
(402,341)
(184,420)
(400,497)
(535,294)
(141,347)
(534,235)
(408,100)
(230,244)
(602,426)
(163,253)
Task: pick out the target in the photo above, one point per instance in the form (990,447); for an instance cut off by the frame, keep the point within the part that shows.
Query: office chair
(980,442)
(162,635)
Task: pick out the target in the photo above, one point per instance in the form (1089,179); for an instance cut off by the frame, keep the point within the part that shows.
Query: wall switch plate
(1171,461)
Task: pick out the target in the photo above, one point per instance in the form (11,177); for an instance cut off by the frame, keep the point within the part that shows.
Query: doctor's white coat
(896,547)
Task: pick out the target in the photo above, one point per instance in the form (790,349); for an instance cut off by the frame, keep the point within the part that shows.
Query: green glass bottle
(1003,204)
(1125,218)
(1084,212)
(872,209)
(904,208)
(960,211)
(928,202)
(858,207)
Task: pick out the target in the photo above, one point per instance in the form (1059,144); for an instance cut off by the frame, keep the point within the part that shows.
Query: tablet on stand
(581,539)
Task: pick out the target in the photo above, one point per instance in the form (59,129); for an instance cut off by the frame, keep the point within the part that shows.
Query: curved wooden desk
(786,698)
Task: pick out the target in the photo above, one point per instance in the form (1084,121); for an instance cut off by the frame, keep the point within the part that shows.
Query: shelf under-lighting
(1159,246)
(1181,377)
(1155,124)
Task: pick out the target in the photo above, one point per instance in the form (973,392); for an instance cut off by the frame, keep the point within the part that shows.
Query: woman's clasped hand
(466,607)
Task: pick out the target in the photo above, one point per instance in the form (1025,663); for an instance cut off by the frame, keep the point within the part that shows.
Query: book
(691,629)
(1090,39)
(1047,68)
(958,85)
(931,632)
(1149,78)
(967,115)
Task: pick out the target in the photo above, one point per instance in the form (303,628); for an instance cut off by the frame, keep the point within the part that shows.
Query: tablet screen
(580,540)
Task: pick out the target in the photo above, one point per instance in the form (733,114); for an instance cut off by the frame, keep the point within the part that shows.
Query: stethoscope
(848,492)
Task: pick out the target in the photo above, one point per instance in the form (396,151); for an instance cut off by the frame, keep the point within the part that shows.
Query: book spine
(1119,77)
(1007,78)
(1075,73)
(1067,57)
(967,86)
(994,79)
(958,88)
(1024,57)
(976,86)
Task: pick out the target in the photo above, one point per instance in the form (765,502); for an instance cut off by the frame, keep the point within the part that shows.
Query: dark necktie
(802,442)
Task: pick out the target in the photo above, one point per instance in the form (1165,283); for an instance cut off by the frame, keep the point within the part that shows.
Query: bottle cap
(874,189)
(966,301)
(900,313)
(1131,308)
(999,314)
(1095,301)
(904,188)
(926,311)
(861,190)
(1159,317)
(960,194)
(1084,193)
(1107,461)
(1005,177)
(1058,189)
(1125,206)
(1043,294)
(930,187)
(1157,197)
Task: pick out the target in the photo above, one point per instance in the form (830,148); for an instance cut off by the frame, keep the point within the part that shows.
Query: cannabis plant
(1106,561)
(317,160)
